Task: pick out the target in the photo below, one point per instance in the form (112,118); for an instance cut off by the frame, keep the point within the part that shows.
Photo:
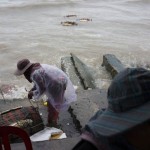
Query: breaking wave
(32,3)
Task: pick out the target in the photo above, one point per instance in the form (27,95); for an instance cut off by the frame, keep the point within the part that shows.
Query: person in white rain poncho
(52,82)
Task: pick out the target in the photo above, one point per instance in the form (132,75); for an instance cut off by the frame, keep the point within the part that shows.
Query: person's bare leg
(52,115)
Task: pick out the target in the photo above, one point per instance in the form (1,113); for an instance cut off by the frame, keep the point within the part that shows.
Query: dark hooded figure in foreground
(125,124)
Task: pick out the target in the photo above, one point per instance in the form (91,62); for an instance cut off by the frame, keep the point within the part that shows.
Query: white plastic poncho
(53,82)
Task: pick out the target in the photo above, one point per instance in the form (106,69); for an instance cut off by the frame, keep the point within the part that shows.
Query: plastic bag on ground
(48,133)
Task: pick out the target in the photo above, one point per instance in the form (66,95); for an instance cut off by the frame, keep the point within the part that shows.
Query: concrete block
(83,72)
(112,64)
(68,67)
(88,103)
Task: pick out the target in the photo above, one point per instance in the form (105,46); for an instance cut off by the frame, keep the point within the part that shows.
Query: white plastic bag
(48,134)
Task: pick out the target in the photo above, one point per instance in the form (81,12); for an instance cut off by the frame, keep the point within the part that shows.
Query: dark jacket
(91,134)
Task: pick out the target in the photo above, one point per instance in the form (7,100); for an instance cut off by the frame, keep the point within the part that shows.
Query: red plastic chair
(5,131)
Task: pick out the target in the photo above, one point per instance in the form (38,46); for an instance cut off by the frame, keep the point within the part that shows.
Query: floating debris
(69,23)
(85,19)
(71,16)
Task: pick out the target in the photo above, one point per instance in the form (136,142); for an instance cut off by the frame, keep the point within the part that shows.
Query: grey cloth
(128,106)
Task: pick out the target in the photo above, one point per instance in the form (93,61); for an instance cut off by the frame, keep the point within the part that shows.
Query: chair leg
(1,148)
(6,142)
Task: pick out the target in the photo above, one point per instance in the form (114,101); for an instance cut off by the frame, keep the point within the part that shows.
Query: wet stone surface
(71,122)
(65,122)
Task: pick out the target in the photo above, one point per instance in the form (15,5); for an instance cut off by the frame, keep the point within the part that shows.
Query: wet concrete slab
(84,73)
(88,103)
(78,72)
(63,144)
(112,64)
(68,67)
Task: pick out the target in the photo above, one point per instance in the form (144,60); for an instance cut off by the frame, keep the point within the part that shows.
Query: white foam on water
(16,93)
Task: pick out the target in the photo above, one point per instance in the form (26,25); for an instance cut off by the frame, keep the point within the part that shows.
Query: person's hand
(30,95)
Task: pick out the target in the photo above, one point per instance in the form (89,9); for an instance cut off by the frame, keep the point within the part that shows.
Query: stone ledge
(63,144)
(88,103)
(112,64)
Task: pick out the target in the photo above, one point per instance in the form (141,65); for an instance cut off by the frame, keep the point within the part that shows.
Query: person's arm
(33,88)
(30,93)
(39,85)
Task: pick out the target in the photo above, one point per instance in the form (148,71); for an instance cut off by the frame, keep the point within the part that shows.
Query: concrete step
(112,64)
(78,72)
(62,144)
(68,67)
(88,103)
